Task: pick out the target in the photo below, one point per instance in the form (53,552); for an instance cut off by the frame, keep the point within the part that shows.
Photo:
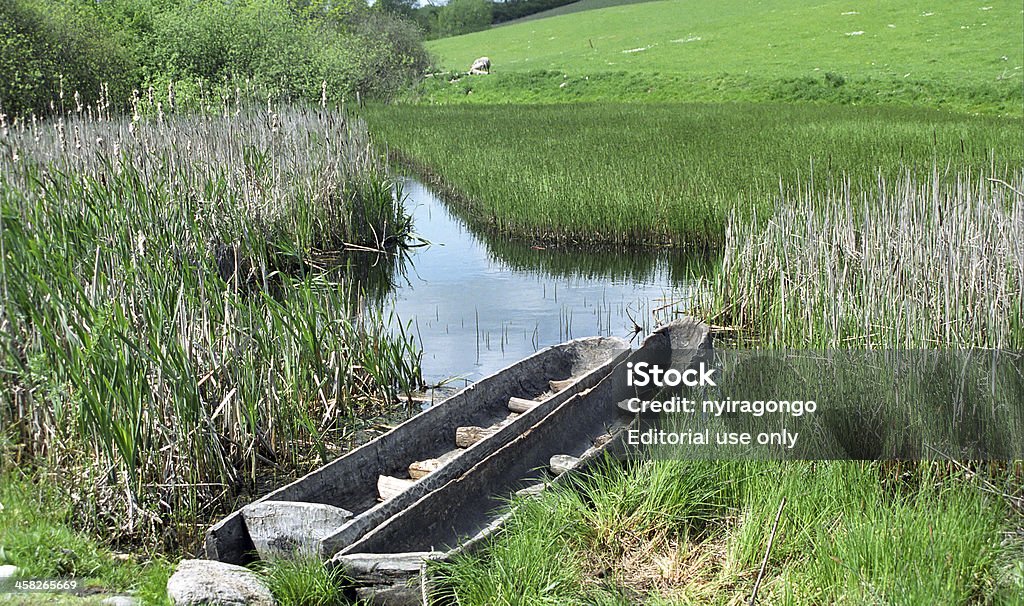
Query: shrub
(47,48)
(285,47)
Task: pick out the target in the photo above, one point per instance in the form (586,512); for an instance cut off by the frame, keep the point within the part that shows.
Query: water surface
(477,304)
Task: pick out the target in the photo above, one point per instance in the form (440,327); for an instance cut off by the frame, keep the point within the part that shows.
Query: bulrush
(131,360)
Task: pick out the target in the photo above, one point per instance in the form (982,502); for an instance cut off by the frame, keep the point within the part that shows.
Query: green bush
(285,47)
(50,47)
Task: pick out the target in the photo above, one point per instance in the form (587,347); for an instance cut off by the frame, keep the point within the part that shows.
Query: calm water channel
(477,304)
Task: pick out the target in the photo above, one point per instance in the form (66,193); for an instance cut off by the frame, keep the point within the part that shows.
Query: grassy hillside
(964,55)
(568,9)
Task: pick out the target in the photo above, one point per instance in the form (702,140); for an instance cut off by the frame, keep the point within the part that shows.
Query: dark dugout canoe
(326,510)
(388,562)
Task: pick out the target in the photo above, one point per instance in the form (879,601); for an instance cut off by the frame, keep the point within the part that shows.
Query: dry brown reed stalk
(935,263)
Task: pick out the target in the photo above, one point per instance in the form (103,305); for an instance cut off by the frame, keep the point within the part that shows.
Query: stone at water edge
(212,583)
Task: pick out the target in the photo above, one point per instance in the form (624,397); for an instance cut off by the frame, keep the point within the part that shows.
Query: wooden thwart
(558,385)
(418,469)
(389,487)
(469,435)
(521,405)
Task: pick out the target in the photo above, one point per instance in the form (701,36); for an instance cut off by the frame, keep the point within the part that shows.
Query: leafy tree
(402,8)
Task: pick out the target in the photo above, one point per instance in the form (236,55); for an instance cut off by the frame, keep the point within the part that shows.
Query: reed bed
(171,329)
(670,174)
(915,263)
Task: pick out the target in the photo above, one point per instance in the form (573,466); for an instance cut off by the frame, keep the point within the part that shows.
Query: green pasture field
(567,9)
(964,55)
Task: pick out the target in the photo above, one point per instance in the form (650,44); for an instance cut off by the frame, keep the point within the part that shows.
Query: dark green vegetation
(178,316)
(959,56)
(671,174)
(518,9)
(695,533)
(458,17)
(51,50)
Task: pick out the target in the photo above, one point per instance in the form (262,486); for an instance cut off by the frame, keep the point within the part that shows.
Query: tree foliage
(464,16)
(286,47)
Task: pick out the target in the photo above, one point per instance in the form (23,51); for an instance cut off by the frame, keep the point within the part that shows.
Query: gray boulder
(211,583)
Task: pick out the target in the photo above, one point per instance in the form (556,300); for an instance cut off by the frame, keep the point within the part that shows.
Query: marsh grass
(170,330)
(913,262)
(850,531)
(304,582)
(672,174)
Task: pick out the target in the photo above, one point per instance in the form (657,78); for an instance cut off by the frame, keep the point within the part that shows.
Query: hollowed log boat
(388,563)
(330,508)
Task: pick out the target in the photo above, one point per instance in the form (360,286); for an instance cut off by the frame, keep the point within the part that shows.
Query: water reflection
(478,304)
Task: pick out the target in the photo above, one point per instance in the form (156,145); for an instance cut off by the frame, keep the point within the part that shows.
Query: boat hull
(350,482)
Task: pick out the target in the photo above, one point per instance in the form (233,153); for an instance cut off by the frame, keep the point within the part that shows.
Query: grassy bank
(964,56)
(39,534)
(178,318)
(670,174)
(696,532)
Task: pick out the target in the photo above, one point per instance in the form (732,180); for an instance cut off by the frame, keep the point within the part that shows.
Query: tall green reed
(171,327)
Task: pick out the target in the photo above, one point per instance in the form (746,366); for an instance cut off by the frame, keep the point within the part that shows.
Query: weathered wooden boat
(326,510)
(388,563)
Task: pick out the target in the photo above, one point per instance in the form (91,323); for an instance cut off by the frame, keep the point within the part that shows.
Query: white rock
(120,600)
(211,583)
(562,463)
(7,571)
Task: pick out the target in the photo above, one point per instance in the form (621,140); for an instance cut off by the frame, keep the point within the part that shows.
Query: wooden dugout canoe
(388,562)
(328,509)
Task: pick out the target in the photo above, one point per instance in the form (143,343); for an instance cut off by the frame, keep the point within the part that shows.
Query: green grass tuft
(303,582)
